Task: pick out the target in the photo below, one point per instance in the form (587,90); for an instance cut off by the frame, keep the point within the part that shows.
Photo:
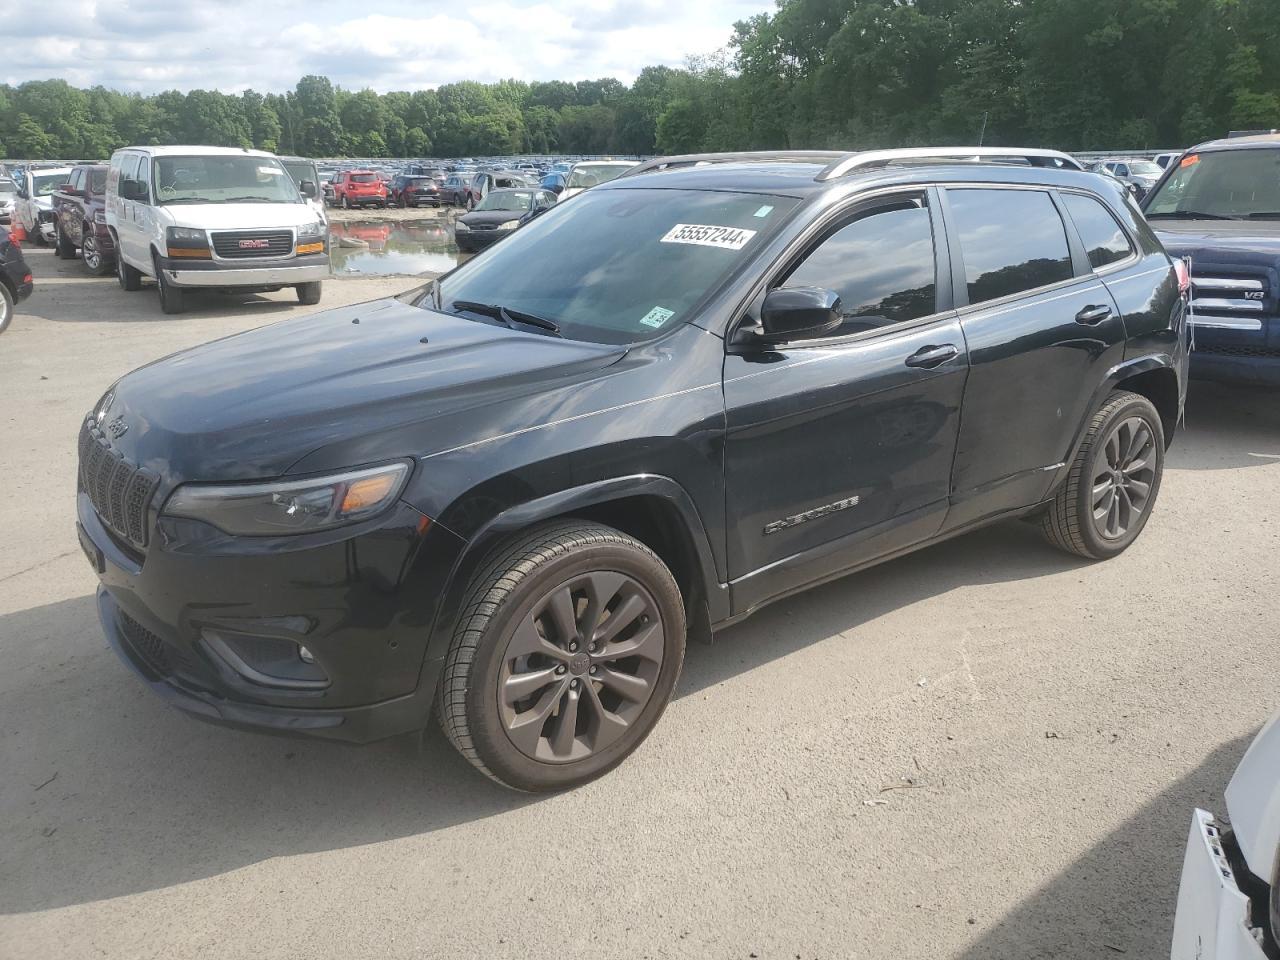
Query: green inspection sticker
(764,211)
(657,317)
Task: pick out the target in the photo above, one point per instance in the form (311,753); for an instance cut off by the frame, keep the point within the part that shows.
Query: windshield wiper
(507,315)
(1264,215)
(248,200)
(1188,215)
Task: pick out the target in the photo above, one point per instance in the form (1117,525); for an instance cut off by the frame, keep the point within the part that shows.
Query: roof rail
(873,159)
(757,156)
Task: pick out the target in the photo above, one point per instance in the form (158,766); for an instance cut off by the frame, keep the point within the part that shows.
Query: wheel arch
(656,510)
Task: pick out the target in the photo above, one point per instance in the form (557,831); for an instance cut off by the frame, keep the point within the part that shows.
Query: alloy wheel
(580,667)
(89,251)
(1123,478)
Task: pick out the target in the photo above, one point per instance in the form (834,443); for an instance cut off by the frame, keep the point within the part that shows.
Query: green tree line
(1073,74)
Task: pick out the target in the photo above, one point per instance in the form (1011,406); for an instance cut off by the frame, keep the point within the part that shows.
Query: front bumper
(214,273)
(1213,921)
(361,600)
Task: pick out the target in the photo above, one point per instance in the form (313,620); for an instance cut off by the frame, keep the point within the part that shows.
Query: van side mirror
(799,313)
(133,190)
(309,189)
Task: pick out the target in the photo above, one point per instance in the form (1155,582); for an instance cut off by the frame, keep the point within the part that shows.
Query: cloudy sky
(150,45)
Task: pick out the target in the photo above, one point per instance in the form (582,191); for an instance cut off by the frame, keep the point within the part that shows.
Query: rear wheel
(1114,480)
(564,657)
(309,293)
(130,279)
(6,307)
(172,299)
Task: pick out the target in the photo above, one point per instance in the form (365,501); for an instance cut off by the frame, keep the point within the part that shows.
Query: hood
(491,218)
(1221,241)
(1253,802)
(239,216)
(252,405)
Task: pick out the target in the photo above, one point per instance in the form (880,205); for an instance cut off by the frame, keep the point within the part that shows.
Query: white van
(213,217)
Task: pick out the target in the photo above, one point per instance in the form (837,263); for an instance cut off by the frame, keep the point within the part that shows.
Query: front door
(1042,331)
(840,450)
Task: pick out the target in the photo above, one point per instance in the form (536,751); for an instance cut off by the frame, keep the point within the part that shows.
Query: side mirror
(69,190)
(132,190)
(22,194)
(309,189)
(799,313)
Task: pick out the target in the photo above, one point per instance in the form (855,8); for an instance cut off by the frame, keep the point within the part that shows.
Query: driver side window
(881,263)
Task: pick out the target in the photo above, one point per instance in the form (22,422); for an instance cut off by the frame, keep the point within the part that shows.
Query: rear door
(1042,330)
(839,450)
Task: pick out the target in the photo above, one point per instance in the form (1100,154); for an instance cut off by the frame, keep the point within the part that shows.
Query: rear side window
(1011,241)
(1102,236)
(881,264)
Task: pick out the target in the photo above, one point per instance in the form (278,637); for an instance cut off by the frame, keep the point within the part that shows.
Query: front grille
(120,492)
(1236,351)
(262,243)
(1228,302)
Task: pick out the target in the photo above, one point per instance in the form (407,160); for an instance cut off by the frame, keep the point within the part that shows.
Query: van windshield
(616,266)
(223,179)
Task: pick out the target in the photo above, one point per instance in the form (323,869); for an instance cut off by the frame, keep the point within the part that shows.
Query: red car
(359,188)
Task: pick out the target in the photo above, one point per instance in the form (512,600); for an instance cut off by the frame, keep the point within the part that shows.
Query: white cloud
(151,45)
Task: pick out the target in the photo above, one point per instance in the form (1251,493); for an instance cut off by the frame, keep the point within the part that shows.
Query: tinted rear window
(364,178)
(1102,236)
(1011,241)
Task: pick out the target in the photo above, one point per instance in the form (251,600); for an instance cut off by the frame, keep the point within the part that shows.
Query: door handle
(930,357)
(1091,316)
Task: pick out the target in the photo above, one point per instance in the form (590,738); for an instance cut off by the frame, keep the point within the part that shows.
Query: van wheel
(1111,489)
(130,278)
(566,652)
(309,293)
(65,249)
(172,299)
(7,306)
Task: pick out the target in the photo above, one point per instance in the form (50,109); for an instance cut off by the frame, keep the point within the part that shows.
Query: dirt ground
(985,751)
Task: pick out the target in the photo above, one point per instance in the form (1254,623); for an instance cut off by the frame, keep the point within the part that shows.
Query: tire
(578,562)
(172,299)
(7,307)
(346,202)
(91,255)
(309,293)
(130,278)
(63,247)
(37,235)
(403,203)
(1101,508)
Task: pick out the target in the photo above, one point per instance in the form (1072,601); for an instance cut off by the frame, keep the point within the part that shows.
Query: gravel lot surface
(987,750)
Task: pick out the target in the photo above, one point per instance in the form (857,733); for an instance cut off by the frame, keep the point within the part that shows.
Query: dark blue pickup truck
(1219,204)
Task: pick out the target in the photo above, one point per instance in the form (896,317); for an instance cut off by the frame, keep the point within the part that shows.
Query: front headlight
(509,225)
(186,235)
(461,227)
(311,230)
(290,506)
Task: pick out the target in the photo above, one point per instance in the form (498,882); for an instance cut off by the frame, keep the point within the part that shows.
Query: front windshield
(1145,168)
(44,185)
(1232,184)
(618,266)
(8,186)
(506,200)
(583,177)
(223,179)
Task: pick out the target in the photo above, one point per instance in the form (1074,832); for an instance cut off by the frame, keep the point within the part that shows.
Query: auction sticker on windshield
(726,238)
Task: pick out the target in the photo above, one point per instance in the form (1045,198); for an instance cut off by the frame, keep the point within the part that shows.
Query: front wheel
(65,249)
(1111,489)
(130,278)
(309,293)
(172,299)
(564,657)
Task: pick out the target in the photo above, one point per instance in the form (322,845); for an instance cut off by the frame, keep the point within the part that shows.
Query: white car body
(29,207)
(141,228)
(8,199)
(615,167)
(1216,919)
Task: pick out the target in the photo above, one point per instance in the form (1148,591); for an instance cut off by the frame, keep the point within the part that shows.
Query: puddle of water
(383,247)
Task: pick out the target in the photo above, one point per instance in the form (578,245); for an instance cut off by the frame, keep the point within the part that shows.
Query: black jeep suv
(512,493)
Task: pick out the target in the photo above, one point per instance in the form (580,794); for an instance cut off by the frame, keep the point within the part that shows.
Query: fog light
(305,655)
